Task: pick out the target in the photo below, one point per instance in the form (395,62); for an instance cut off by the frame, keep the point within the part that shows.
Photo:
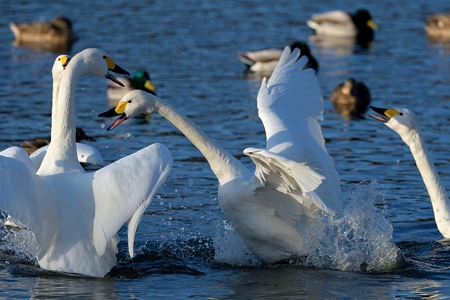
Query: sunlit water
(185,246)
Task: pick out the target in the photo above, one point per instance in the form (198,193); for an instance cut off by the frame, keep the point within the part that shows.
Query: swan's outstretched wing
(17,186)
(291,177)
(290,106)
(123,189)
(20,154)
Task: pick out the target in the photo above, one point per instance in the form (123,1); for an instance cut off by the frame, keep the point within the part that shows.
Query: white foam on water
(17,239)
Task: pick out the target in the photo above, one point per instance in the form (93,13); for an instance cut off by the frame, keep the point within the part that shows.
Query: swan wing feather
(290,177)
(18,202)
(290,106)
(144,171)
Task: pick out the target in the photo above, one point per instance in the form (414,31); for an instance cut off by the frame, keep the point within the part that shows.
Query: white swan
(406,124)
(295,179)
(75,215)
(85,153)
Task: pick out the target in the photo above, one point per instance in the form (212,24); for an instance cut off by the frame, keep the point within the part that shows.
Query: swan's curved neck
(224,165)
(433,183)
(55,91)
(62,147)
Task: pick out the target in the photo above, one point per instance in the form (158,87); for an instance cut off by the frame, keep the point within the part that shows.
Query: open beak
(116,111)
(112,78)
(116,69)
(383,117)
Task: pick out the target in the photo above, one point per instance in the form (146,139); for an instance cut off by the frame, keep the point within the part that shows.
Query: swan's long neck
(62,147)
(55,91)
(225,166)
(433,183)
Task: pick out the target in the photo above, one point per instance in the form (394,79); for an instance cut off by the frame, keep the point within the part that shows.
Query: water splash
(230,249)
(16,239)
(358,238)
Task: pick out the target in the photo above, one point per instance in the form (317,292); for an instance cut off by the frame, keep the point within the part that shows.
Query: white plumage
(295,178)
(405,123)
(75,215)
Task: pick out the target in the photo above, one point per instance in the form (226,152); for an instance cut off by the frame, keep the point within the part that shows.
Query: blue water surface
(184,244)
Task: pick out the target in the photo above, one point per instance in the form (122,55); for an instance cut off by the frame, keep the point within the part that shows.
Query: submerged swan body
(295,179)
(405,123)
(75,215)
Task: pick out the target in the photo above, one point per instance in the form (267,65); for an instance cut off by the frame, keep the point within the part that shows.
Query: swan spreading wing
(144,172)
(290,106)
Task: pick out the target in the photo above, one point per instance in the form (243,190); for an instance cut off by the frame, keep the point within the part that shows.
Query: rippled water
(190,50)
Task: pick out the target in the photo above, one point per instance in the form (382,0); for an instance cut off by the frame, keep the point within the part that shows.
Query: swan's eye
(401,114)
(104,56)
(129,101)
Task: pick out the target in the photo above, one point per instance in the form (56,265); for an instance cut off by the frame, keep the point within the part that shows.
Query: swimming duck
(341,24)
(140,80)
(264,61)
(438,27)
(351,98)
(56,34)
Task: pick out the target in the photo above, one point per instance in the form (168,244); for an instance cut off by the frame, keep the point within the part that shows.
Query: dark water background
(190,50)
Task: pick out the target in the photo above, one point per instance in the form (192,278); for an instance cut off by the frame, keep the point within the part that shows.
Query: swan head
(98,63)
(401,120)
(132,104)
(60,65)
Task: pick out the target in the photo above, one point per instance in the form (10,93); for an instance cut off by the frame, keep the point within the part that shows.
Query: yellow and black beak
(116,69)
(385,113)
(64,61)
(116,111)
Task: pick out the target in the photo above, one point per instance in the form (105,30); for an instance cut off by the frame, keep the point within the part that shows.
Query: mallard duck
(32,145)
(351,98)
(140,80)
(341,24)
(438,27)
(46,35)
(265,60)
